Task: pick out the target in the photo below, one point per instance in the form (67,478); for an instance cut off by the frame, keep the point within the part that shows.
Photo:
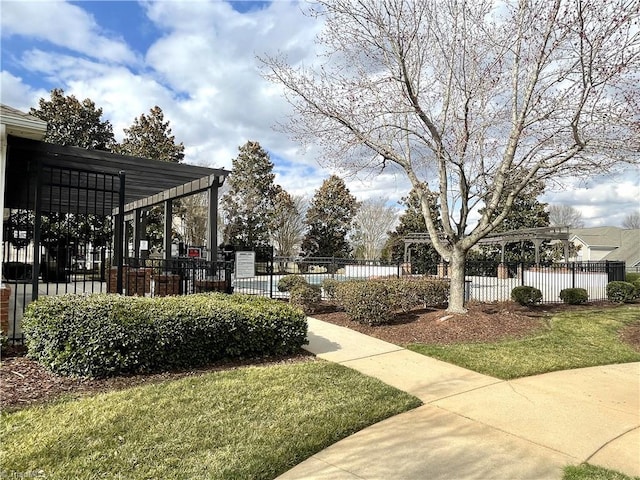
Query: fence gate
(60,241)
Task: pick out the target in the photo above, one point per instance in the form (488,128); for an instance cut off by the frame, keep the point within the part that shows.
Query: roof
(22,124)
(624,244)
(144,177)
(598,236)
(629,250)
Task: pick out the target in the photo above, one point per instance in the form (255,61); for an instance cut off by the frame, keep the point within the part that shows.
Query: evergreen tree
(77,124)
(329,220)
(249,203)
(527,212)
(424,258)
(150,137)
(74,123)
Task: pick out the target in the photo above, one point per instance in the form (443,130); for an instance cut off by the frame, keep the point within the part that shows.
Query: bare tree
(193,211)
(565,216)
(372,224)
(632,220)
(288,226)
(471,100)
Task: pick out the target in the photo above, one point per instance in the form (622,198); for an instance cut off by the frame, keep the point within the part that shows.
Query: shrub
(329,286)
(574,296)
(306,296)
(620,292)
(525,295)
(365,302)
(288,282)
(631,277)
(105,335)
(636,285)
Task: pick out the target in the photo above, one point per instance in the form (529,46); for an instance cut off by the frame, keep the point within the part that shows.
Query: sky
(197,60)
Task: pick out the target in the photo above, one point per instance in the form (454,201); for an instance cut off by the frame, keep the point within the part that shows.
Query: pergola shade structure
(75,166)
(45,178)
(534,235)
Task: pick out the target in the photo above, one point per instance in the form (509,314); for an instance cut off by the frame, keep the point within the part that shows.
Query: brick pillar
(167,284)
(5,293)
(443,270)
(503,272)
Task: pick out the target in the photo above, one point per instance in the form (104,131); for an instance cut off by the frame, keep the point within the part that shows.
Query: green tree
(527,212)
(74,123)
(249,202)
(424,258)
(329,220)
(150,137)
(79,124)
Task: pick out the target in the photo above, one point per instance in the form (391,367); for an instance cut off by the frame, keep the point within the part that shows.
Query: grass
(254,422)
(590,472)
(570,340)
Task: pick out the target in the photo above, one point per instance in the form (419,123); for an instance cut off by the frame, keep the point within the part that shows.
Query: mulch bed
(23,382)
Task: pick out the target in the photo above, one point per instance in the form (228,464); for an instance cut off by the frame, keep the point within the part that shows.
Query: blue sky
(196,59)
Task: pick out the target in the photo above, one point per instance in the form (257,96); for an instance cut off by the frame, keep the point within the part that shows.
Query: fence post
(573,274)
(521,267)
(270,267)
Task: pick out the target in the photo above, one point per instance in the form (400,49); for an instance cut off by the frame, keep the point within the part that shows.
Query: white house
(607,243)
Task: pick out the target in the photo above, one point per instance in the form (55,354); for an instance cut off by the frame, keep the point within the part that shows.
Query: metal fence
(485,281)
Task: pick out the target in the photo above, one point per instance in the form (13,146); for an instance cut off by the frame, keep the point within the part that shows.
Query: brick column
(5,293)
(503,272)
(443,270)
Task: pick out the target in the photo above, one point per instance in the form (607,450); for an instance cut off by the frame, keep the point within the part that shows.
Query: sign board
(245,264)
(194,252)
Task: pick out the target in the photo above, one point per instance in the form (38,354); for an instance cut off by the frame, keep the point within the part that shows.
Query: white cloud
(64,25)
(203,72)
(18,94)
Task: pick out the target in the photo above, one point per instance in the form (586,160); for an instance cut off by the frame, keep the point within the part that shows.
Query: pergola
(74,179)
(534,235)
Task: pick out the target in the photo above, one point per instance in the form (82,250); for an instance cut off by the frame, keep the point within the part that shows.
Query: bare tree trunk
(456,287)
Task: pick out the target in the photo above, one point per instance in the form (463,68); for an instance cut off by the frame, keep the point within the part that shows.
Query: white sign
(245,264)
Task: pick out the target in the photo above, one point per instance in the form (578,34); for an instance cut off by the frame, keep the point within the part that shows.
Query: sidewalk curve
(476,426)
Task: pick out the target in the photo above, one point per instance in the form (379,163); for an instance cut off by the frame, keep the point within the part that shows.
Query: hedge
(103,335)
(289,282)
(526,295)
(574,296)
(621,292)
(374,302)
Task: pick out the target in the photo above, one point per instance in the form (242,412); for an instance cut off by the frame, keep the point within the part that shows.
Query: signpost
(245,264)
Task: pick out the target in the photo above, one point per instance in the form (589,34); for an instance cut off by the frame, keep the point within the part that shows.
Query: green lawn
(570,340)
(589,472)
(254,422)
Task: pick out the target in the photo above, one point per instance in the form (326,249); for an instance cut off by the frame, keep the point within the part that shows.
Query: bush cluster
(306,296)
(105,335)
(289,282)
(329,286)
(367,302)
(574,296)
(621,292)
(374,302)
(526,295)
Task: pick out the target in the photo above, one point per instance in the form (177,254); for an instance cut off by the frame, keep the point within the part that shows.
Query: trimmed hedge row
(374,302)
(106,335)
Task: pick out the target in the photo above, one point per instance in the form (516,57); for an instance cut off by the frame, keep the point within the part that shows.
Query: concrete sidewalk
(475,426)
